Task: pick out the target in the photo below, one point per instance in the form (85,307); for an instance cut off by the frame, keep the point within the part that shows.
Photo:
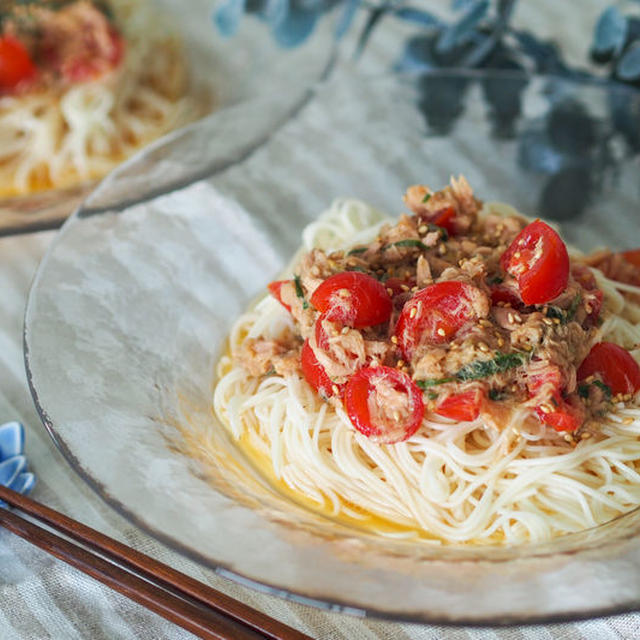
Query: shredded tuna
(509,353)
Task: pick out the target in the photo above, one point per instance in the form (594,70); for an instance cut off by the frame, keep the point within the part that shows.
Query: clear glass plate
(130,310)
(227,71)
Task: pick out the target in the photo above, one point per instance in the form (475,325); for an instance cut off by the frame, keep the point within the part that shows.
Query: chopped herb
(496,394)
(556,312)
(356,268)
(480,369)
(426,197)
(271,372)
(575,303)
(565,316)
(583,391)
(432,395)
(484,368)
(300,292)
(444,234)
(605,387)
(409,242)
(356,251)
(495,280)
(432,382)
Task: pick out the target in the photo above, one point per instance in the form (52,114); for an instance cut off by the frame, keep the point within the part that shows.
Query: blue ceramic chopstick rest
(13,465)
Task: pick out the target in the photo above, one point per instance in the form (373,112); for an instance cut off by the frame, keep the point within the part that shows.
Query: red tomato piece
(15,63)
(86,68)
(384,404)
(538,259)
(546,382)
(614,365)
(275,290)
(632,256)
(564,417)
(315,374)
(353,299)
(463,407)
(501,293)
(445,218)
(436,313)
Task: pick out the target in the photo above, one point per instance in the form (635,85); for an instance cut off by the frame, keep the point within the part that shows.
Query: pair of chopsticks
(177,597)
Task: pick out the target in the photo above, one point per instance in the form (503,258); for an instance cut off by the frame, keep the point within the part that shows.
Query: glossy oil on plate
(130,310)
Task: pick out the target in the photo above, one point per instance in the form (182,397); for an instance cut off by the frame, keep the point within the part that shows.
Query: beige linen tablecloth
(41,597)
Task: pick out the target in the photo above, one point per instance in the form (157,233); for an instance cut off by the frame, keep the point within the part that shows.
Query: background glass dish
(130,309)
(248,66)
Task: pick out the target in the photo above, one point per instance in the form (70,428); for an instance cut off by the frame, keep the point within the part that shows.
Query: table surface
(41,597)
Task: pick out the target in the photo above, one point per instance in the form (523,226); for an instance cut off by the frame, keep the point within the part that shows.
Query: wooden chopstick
(191,604)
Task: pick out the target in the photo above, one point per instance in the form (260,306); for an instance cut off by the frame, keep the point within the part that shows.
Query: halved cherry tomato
(384,404)
(565,416)
(632,256)
(436,313)
(353,299)
(538,260)
(15,63)
(275,290)
(462,407)
(315,374)
(616,367)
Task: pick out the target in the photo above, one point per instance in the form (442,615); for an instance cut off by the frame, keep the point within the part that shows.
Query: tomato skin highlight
(353,299)
(315,374)
(16,65)
(538,259)
(275,290)
(441,310)
(616,367)
(462,407)
(356,399)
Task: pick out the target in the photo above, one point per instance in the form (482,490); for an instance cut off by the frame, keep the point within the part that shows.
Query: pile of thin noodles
(450,483)
(57,138)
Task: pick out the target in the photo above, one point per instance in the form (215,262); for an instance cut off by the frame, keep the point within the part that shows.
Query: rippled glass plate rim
(327,603)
